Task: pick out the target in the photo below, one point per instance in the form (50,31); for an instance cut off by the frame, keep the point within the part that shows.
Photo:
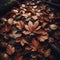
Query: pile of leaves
(26,31)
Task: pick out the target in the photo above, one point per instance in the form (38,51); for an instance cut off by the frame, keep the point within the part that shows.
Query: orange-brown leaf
(35,43)
(26,32)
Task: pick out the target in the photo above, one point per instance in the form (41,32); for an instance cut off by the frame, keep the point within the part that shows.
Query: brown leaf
(26,27)
(14,11)
(38,28)
(10,21)
(33,48)
(10,49)
(27,48)
(25,15)
(4,19)
(37,32)
(26,32)
(42,38)
(24,41)
(34,17)
(35,43)
(21,41)
(15,35)
(44,24)
(43,32)
(22,24)
(35,24)
(30,25)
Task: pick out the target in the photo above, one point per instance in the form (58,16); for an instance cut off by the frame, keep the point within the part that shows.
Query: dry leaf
(35,24)
(42,38)
(26,32)
(35,43)
(34,17)
(30,25)
(10,49)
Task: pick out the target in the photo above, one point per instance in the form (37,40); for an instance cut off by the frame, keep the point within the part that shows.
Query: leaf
(10,49)
(35,43)
(27,48)
(37,32)
(26,32)
(21,24)
(42,38)
(34,17)
(26,27)
(38,28)
(30,24)
(44,25)
(35,24)
(24,41)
